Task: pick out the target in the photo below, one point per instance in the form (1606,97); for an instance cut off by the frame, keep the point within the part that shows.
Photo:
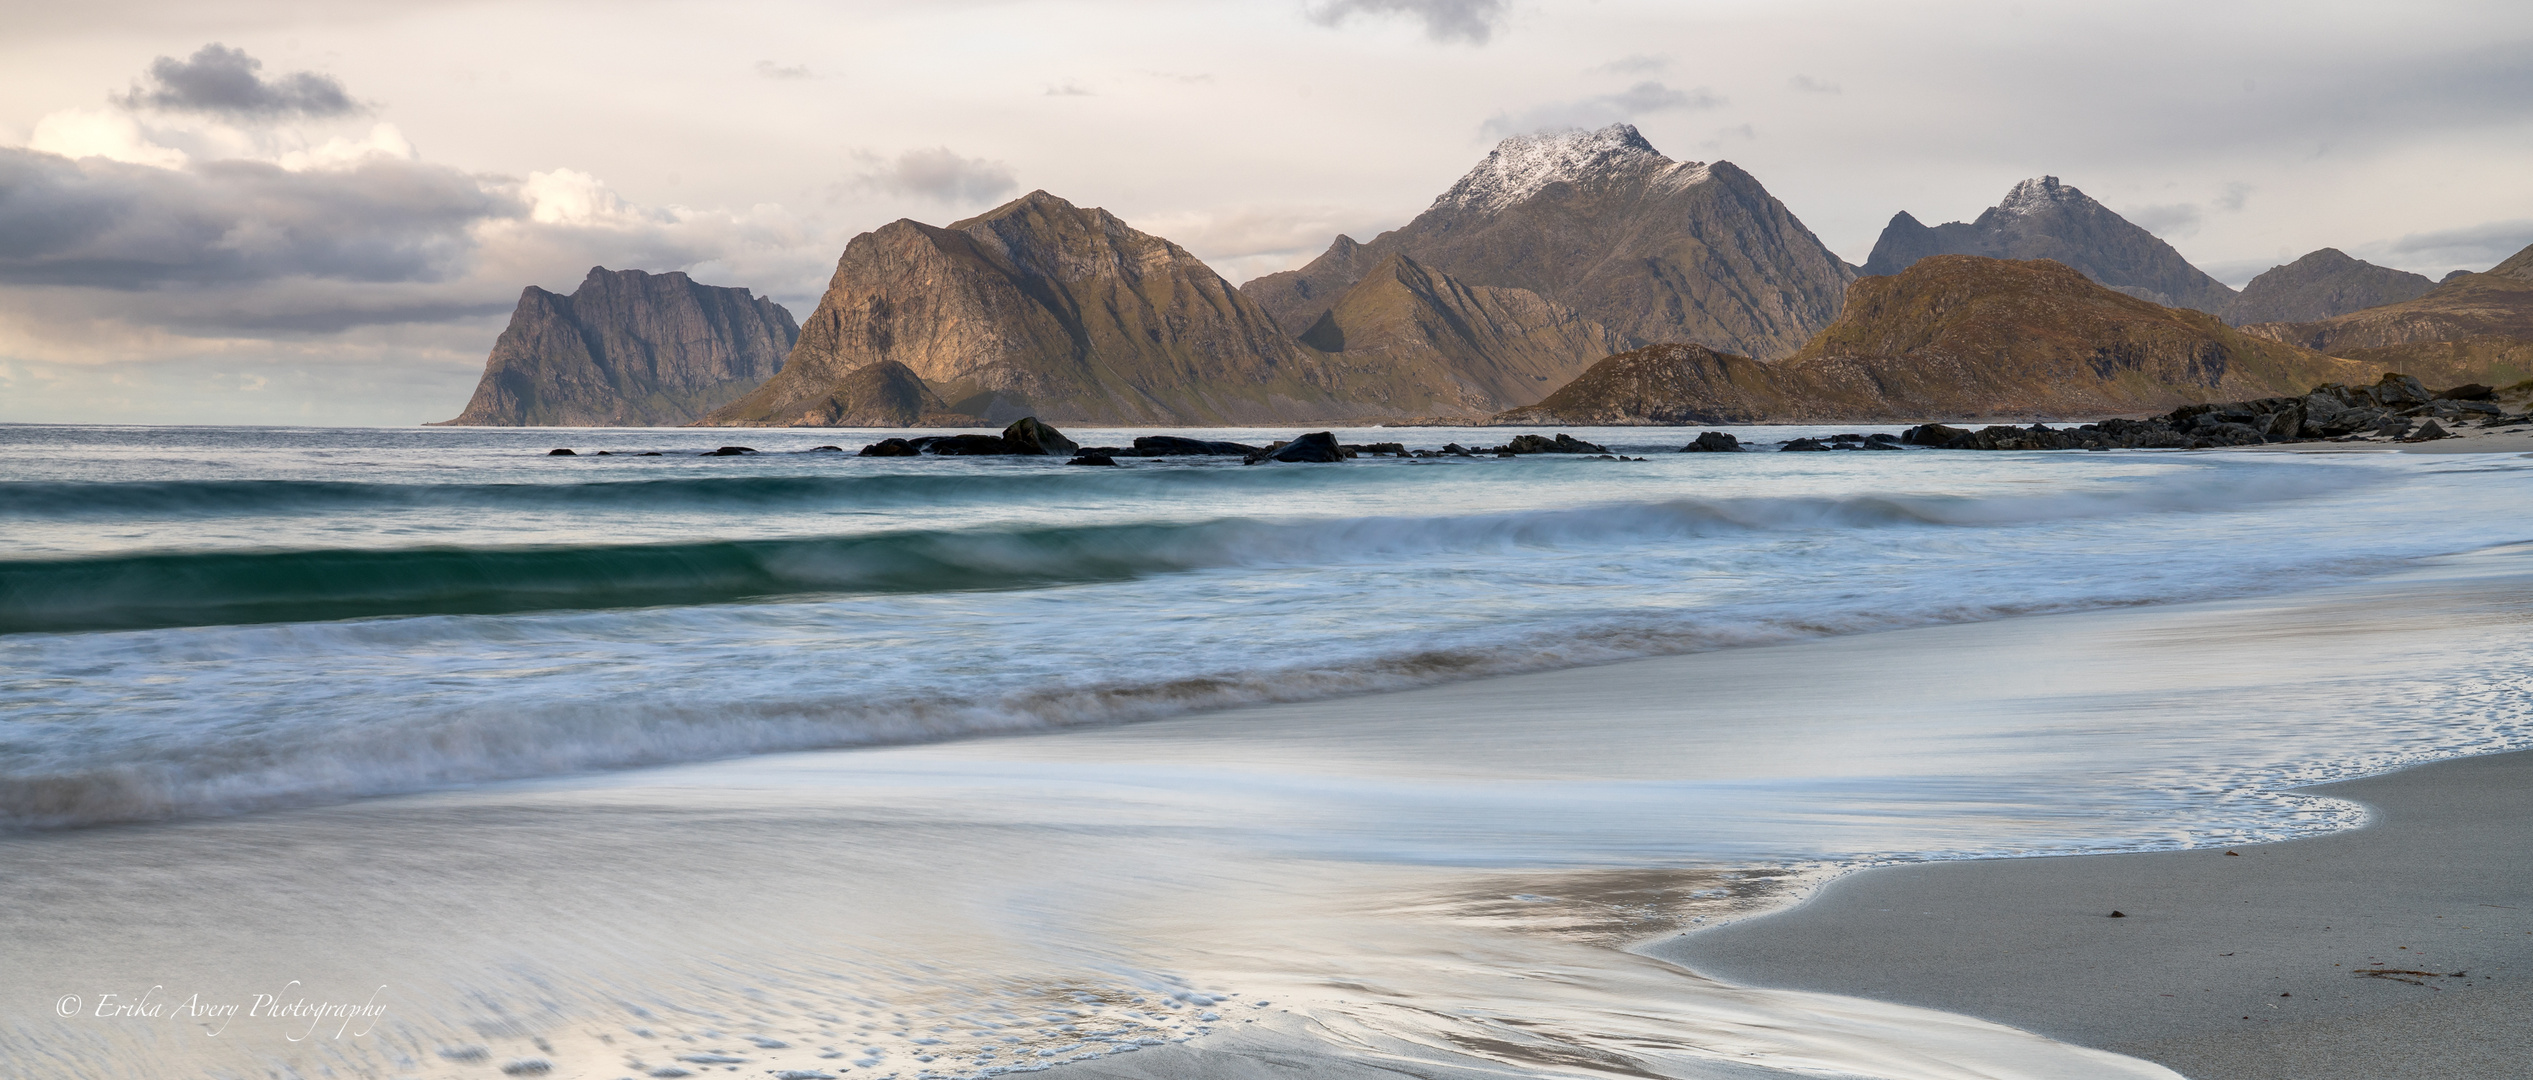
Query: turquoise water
(848,754)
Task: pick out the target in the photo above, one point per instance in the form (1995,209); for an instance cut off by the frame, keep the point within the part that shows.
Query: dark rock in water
(561,453)
(1562,444)
(1457,450)
(965,446)
(2224,434)
(1027,436)
(1940,435)
(2429,432)
(1804,444)
(1095,459)
(1176,446)
(891,448)
(825,450)
(650,453)
(2468,392)
(1318,446)
(1883,444)
(732,451)
(1883,437)
(1377,449)
(1712,442)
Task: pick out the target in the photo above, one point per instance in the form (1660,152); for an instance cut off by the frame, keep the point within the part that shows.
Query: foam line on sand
(2294,960)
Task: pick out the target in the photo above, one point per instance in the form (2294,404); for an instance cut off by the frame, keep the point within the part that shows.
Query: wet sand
(2284,961)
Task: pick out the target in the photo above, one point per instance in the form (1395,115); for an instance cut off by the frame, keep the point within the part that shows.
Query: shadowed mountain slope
(2044,219)
(628,348)
(1490,347)
(2321,285)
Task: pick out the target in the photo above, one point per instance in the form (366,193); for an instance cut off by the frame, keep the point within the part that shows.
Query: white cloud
(86,133)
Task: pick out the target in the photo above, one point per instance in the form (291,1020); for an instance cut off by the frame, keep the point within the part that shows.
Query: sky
(323,211)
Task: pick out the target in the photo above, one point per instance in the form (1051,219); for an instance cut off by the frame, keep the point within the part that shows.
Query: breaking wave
(172,589)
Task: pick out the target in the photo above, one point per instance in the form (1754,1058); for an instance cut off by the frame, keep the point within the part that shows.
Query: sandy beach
(2299,959)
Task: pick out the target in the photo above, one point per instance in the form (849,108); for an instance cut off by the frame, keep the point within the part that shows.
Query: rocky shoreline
(2397,408)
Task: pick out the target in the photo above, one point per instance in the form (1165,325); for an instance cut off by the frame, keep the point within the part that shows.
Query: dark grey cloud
(221,80)
(2477,247)
(1472,21)
(1601,110)
(104,224)
(942,174)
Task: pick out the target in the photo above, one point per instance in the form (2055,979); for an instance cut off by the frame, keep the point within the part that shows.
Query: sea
(427,752)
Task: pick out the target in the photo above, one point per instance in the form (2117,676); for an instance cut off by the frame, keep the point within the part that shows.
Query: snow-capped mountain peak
(1520,166)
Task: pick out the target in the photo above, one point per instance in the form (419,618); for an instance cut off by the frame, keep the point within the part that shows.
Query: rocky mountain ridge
(2042,218)
(1602,223)
(2470,328)
(628,348)
(1955,335)
(1040,307)
(2322,284)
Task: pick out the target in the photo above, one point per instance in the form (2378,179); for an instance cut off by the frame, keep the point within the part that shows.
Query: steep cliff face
(1475,349)
(1961,336)
(2321,285)
(628,348)
(2044,219)
(1042,307)
(1656,250)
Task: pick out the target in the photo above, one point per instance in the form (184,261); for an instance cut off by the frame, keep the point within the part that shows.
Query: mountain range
(1552,255)
(2468,328)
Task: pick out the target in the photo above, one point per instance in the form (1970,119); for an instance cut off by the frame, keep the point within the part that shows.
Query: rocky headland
(2044,219)
(1040,307)
(628,348)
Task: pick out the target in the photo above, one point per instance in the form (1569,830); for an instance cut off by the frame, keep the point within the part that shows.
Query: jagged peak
(1521,166)
(2041,193)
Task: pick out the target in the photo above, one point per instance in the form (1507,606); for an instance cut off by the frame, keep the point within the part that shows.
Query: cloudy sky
(322,211)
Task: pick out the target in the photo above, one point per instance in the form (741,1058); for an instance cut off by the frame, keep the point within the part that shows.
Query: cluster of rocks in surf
(2397,407)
